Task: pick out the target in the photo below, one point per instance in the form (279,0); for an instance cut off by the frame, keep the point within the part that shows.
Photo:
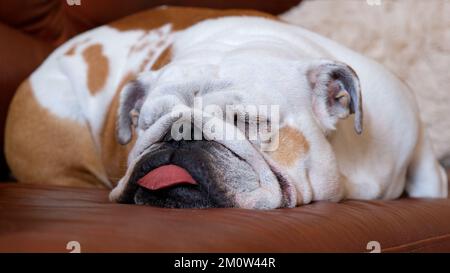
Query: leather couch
(44,218)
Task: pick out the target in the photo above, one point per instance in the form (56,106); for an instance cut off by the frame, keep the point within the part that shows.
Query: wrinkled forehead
(239,68)
(234,81)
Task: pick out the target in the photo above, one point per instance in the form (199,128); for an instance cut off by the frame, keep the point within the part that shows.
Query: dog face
(305,99)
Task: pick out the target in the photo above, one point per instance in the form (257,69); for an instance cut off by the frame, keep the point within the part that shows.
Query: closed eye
(251,125)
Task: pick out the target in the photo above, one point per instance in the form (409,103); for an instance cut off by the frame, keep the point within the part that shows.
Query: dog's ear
(131,99)
(336,93)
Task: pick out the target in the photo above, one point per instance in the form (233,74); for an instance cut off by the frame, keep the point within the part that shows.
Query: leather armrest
(20,54)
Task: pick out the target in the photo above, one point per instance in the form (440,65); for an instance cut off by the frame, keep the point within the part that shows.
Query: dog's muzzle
(180,174)
(197,174)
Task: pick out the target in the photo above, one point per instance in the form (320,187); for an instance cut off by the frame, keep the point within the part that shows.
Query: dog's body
(62,123)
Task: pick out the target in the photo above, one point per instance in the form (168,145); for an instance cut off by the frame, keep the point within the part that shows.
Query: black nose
(193,156)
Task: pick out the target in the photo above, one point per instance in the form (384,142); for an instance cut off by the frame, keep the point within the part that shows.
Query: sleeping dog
(101,112)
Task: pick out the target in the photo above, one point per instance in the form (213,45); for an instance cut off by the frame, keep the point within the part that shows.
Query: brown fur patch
(98,67)
(71,50)
(292,144)
(163,59)
(141,47)
(44,149)
(179,17)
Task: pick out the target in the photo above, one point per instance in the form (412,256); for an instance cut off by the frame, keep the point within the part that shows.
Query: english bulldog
(101,112)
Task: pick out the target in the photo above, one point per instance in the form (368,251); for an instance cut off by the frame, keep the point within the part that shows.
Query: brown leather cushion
(46,218)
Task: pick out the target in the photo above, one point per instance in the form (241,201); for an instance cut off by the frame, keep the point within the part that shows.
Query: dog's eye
(252,125)
(235,119)
(241,119)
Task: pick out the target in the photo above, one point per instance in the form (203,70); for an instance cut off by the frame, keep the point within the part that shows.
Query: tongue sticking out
(166,176)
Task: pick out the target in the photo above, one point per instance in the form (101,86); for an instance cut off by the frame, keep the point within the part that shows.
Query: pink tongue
(166,176)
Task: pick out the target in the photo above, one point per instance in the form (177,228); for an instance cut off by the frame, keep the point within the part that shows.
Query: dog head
(184,156)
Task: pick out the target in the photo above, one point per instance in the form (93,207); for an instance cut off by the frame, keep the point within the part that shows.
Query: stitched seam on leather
(411,245)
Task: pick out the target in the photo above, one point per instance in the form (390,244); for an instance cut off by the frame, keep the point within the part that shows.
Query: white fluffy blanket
(410,37)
